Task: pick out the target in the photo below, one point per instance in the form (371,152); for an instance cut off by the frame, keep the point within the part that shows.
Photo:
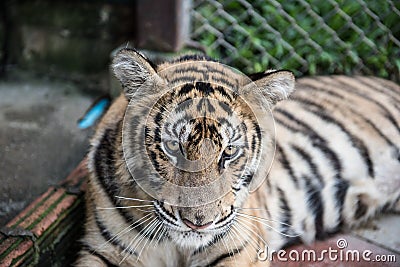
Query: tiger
(196,164)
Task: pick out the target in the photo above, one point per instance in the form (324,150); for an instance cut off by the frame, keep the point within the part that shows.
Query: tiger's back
(338,156)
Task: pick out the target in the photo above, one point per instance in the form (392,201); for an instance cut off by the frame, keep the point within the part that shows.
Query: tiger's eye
(172,146)
(231,151)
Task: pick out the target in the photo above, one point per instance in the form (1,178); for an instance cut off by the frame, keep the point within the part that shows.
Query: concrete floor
(39,140)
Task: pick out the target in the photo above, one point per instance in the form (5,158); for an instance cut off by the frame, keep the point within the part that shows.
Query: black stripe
(319,142)
(167,127)
(241,128)
(160,215)
(186,89)
(205,88)
(253,143)
(387,114)
(188,79)
(215,239)
(135,122)
(225,106)
(393,121)
(159,116)
(222,71)
(204,102)
(189,68)
(110,237)
(286,164)
(224,121)
(194,57)
(286,213)
(226,82)
(105,171)
(258,75)
(104,162)
(269,188)
(341,187)
(226,255)
(224,93)
(223,77)
(258,137)
(311,164)
(314,200)
(315,203)
(361,209)
(222,219)
(286,219)
(316,140)
(247,179)
(154,160)
(93,252)
(333,94)
(389,89)
(184,105)
(291,242)
(319,111)
(377,130)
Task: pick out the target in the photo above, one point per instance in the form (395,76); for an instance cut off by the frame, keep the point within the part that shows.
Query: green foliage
(306,36)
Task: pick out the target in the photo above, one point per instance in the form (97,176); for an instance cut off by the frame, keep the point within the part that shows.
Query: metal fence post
(162,25)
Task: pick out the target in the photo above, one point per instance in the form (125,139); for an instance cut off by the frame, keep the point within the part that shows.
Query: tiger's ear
(132,69)
(276,85)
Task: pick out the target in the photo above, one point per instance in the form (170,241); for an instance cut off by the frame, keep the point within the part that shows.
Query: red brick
(53,215)
(6,243)
(57,193)
(76,178)
(17,252)
(29,208)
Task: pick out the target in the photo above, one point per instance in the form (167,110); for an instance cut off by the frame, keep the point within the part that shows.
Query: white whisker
(161,235)
(135,199)
(234,243)
(227,248)
(241,229)
(123,207)
(159,227)
(251,230)
(265,219)
(147,211)
(150,218)
(205,249)
(142,234)
(267,225)
(125,230)
(148,236)
(249,208)
(128,250)
(241,238)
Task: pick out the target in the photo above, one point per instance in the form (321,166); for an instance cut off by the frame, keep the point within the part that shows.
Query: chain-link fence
(305,36)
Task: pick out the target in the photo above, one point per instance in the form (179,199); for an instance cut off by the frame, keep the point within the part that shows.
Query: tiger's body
(336,164)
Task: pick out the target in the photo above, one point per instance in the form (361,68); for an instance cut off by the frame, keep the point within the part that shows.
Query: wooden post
(162,25)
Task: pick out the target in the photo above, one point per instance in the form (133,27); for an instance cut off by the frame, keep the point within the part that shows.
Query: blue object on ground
(95,112)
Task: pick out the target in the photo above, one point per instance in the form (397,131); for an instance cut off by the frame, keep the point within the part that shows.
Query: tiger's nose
(193,226)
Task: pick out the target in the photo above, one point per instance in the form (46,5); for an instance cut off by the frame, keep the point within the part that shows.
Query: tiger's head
(198,136)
